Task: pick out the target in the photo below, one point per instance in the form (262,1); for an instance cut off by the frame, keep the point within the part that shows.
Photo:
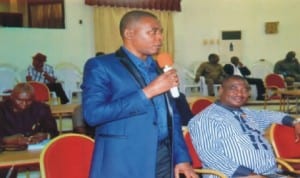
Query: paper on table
(38,146)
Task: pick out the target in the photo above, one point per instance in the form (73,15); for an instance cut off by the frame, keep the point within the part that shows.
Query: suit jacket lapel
(127,63)
(124,59)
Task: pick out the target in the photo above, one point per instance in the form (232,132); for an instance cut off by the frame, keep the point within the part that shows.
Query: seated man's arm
(47,124)
(49,78)
(17,139)
(20,139)
(49,74)
(199,72)
(245,71)
(278,69)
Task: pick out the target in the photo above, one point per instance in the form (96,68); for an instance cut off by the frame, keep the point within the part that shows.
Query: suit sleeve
(228,69)
(245,71)
(180,148)
(48,123)
(105,101)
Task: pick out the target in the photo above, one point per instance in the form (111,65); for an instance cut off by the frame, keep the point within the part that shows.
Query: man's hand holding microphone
(166,81)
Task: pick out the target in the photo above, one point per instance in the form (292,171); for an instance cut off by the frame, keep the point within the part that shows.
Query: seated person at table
(212,71)
(24,121)
(289,67)
(44,73)
(236,67)
(230,138)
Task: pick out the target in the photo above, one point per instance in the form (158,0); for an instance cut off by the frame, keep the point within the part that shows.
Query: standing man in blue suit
(138,129)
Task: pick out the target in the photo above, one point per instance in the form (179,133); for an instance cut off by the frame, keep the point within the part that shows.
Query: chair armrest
(283,163)
(210,171)
(290,160)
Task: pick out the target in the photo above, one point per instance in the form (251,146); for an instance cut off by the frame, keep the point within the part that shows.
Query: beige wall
(199,20)
(73,44)
(205,19)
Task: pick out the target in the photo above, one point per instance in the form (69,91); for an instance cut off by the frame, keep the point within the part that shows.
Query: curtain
(167,5)
(107,35)
(46,15)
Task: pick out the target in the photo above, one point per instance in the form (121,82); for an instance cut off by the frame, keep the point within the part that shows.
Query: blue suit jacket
(126,133)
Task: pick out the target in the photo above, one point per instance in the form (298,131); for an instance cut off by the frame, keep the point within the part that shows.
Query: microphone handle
(174,90)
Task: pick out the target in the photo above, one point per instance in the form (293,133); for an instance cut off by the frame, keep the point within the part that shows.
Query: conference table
(26,160)
(19,158)
(287,95)
(62,110)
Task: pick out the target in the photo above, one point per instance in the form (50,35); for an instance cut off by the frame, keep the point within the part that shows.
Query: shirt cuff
(242,171)
(287,120)
(142,95)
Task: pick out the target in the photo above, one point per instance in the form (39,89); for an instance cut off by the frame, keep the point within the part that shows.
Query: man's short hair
(40,57)
(234,59)
(23,87)
(290,54)
(133,16)
(235,77)
(212,56)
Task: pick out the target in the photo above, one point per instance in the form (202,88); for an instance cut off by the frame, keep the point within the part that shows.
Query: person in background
(44,73)
(289,67)
(230,138)
(212,71)
(79,124)
(236,67)
(24,121)
(184,109)
(99,53)
(128,101)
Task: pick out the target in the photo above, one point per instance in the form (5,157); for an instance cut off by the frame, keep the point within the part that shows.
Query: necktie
(251,131)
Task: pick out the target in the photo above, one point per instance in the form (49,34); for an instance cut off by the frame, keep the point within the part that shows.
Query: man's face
(234,93)
(21,101)
(214,60)
(144,37)
(38,64)
(235,61)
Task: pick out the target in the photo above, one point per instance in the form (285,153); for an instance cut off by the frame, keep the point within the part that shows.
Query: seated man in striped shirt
(230,137)
(44,73)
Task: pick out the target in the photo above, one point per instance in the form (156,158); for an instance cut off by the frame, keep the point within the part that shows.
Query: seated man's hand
(28,78)
(48,77)
(38,137)
(18,139)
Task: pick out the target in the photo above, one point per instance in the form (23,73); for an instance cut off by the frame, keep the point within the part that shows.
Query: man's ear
(128,33)
(220,91)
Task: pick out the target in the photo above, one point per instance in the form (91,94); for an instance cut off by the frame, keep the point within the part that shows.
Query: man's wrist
(296,121)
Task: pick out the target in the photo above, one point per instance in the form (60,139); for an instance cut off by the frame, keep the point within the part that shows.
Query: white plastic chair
(23,73)
(187,83)
(71,78)
(8,77)
(261,69)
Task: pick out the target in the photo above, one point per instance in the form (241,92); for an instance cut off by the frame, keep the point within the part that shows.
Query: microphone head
(164,59)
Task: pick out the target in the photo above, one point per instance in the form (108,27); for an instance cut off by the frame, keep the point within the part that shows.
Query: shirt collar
(149,62)
(232,109)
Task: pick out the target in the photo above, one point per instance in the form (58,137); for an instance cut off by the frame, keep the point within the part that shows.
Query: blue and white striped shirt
(231,140)
(38,76)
